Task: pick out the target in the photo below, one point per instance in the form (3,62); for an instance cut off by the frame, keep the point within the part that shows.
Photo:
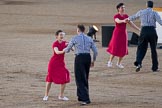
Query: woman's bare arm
(57,51)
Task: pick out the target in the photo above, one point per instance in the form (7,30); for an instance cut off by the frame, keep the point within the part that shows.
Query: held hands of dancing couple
(127,20)
(72,49)
(57,51)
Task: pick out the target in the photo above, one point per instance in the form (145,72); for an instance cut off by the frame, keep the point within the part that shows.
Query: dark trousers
(148,35)
(81,69)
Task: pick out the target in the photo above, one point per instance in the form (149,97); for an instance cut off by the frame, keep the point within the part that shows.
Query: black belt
(82,54)
(148,27)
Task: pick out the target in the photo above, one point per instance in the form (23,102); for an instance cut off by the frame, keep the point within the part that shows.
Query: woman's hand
(66,44)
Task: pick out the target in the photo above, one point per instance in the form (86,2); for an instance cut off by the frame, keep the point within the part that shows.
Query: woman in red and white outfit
(57,72)
(118,45)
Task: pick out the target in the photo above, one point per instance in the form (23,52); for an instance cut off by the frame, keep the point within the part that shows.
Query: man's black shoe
(135,63)
(138,68)
(157,70)
(84,103)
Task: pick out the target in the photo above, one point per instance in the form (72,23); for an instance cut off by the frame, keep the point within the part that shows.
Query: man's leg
(81,79)
(141,52)
(153,44)
(87,69)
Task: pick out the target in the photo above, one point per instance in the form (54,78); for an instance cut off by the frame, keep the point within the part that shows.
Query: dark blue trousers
(81,69)
(148,35)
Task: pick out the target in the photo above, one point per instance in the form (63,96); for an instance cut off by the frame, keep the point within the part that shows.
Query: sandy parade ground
(27,30)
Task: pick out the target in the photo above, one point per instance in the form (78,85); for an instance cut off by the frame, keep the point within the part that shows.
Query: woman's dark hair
(119,5)
(81,27)
(58,31)
(150,4)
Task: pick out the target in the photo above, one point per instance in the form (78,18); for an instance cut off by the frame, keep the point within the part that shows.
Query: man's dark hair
(57,32)
(119,5)
(150,4)
(81,27)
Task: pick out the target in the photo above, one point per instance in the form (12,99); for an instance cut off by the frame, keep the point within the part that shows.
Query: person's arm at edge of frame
(158,18)
(95,53)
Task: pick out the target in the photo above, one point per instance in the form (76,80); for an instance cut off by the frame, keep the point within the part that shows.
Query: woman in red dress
(119,42)
(57,72)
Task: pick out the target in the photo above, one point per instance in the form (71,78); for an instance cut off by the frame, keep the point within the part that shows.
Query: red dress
(118,45)
(57,71)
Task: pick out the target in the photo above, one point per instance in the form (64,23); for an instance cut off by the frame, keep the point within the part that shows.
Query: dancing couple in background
(118,45)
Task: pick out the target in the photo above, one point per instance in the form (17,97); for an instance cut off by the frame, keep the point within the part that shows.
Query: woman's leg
(111,58)
(62,90)
(109,63)
(61,96)
(119,60)
(48,86)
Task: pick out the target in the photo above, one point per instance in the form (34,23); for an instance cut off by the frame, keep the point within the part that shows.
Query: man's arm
(95,53)
(69,47)
(158,18)
(135,16)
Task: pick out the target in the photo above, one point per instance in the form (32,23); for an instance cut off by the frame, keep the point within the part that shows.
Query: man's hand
(92,64)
